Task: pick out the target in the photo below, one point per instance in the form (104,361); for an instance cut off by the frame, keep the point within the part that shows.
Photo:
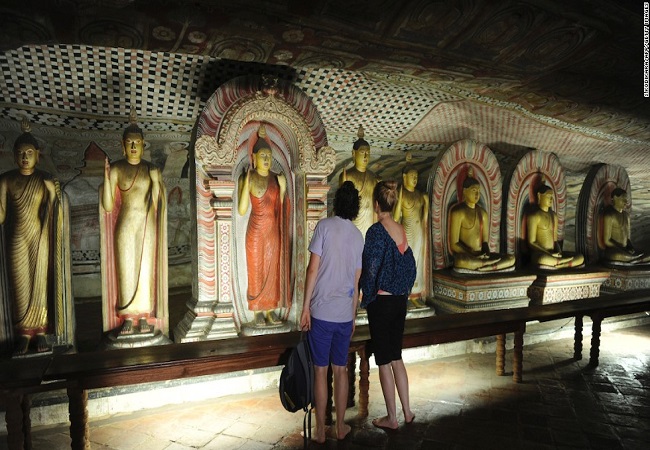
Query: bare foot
(318,436)
(342,431)
(409,417)
(143,326)
(385,423)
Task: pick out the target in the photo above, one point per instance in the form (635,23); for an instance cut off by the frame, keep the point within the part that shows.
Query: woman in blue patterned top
(387,278)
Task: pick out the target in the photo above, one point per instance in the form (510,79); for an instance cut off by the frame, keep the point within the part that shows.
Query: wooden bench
(78,372)
(449,328)
(597,309)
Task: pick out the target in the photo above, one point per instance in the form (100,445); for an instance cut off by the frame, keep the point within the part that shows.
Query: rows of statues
(134,245)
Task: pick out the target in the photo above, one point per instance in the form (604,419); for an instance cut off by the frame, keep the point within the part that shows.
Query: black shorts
(386,316)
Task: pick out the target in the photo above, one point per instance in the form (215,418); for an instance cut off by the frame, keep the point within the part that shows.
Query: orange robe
(264,255)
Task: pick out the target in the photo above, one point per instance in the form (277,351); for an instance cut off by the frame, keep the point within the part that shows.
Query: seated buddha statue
(541,235)
(469,234)
(616,233)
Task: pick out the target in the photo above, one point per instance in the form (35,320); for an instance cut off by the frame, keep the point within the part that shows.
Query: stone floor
(459,403)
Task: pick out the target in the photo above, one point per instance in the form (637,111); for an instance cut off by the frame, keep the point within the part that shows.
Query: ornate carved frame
(443,192)
(595,195)
(220,134)
(520,187)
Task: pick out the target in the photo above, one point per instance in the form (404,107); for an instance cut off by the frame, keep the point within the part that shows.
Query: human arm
(355,298)
(310,282)
(372,257)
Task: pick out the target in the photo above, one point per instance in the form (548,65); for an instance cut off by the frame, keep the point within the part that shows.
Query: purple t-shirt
(339,243)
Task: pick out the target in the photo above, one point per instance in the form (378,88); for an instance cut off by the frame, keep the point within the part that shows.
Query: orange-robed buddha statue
(266,250)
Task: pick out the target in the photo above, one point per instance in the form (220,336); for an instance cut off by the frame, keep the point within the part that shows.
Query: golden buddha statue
(32,215)
(364,180)
(469,234)
(412,211)
(134,239)
(616,233)
(266,250)
(541,235)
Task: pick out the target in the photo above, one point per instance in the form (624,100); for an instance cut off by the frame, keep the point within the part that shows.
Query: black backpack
(297,383)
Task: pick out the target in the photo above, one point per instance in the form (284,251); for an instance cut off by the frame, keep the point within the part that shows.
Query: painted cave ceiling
(558,76)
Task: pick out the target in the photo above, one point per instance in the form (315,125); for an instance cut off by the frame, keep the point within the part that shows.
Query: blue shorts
(329,342)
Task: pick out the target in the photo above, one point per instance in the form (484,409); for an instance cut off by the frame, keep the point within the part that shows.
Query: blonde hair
(385,194)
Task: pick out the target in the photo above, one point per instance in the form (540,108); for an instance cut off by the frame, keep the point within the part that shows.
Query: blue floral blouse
(384,267)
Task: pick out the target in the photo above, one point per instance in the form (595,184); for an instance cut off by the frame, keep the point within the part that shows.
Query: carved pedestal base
(206,322)
(114,340)
(555,287)
(419,307)
(454,293)
(626,279)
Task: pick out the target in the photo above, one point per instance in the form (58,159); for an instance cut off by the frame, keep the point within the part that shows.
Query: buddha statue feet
(143,326)
(127,327)
(22,345)
(416,303)
(266,318)
(41,343)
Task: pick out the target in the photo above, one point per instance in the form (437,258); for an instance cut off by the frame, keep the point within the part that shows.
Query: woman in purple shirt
(331,301)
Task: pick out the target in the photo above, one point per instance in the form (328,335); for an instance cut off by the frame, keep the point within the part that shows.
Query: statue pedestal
(562,286)
(629,279)
(455,293)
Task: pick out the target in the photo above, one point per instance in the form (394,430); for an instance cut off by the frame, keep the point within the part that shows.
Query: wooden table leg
(577,339)
(364,381)
(26,406)
(501,354)
(79,429)
(352,368)
(518,356)
(595,341)
(14,420)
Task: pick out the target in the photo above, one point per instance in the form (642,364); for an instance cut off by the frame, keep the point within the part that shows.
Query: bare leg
(402,383)
(340,399)
(387,381)
(320,402)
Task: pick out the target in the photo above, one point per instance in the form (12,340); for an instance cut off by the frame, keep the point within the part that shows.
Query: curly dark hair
(346,201)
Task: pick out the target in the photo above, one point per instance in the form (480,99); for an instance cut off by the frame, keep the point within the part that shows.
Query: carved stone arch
(534,168)
(449,170)
(300,151)
(595,195)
